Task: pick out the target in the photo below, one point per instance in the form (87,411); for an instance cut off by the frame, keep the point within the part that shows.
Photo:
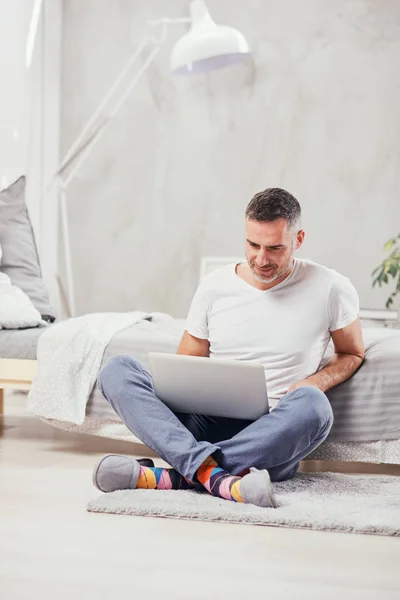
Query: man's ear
(300,238)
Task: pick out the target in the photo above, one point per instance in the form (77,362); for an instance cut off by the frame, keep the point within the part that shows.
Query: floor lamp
(206,46)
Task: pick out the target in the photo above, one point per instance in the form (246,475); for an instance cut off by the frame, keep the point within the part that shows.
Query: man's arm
(349,356)
(193,346)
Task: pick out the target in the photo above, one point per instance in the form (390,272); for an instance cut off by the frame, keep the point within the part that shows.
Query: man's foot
(253,488)
(145,462)
(256,488)
(115,472)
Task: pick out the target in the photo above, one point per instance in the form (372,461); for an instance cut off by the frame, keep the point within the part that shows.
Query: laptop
(210,386)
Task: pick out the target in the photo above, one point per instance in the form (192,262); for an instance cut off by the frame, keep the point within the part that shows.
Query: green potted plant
(390,267)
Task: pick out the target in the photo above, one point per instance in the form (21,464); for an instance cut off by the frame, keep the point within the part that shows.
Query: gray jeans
(277,441)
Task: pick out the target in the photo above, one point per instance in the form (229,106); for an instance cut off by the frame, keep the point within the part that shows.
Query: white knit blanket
(69,358)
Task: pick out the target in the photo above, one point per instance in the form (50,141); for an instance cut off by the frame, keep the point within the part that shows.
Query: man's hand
(302,383)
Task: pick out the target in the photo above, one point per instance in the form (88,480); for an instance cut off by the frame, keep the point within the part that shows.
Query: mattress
(366,406)
(20,343)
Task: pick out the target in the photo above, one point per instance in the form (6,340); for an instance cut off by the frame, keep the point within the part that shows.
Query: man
(275,309)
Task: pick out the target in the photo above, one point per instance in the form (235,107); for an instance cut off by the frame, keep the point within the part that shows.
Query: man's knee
(319,409)
(115,371)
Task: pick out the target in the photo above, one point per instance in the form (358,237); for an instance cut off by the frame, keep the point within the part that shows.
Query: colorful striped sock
(157,478)
(219,482)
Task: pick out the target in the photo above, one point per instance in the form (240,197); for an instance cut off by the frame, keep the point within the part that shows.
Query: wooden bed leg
(1,401)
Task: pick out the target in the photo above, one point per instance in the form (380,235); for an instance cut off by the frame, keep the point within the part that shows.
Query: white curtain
(14,85)
(30,118)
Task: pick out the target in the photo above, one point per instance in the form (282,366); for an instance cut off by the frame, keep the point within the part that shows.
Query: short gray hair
(275,203)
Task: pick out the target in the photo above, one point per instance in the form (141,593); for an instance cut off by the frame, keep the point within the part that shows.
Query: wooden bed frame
(18,374)
(15,374)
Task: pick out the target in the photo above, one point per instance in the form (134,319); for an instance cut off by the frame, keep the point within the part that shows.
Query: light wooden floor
(50,547)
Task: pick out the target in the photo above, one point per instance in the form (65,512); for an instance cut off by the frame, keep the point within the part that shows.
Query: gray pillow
(20,259)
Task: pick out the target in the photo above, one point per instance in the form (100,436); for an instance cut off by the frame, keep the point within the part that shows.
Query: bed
(364,430)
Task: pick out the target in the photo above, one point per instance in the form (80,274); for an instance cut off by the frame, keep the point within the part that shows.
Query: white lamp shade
(207,46)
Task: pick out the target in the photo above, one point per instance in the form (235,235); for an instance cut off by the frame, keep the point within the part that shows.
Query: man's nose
(262,258)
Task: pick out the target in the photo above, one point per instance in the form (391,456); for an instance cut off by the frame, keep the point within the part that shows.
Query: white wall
(315,112)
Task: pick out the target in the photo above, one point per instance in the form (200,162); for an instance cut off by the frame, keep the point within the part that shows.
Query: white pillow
(16,308)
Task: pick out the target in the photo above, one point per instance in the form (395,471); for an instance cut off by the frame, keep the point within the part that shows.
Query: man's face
(270,248)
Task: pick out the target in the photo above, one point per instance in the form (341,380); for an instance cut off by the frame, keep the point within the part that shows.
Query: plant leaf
(378,279)
(389,244)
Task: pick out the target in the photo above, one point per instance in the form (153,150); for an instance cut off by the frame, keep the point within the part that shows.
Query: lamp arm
(81,146)
(151,37)
(75,145)
(84,151)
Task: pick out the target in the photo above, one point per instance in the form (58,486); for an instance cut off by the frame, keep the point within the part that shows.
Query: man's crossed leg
(231,458)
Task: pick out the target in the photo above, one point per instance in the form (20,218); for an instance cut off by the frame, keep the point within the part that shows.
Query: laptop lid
(210,386)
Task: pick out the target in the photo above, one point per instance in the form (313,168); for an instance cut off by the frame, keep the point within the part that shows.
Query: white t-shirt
(286,328)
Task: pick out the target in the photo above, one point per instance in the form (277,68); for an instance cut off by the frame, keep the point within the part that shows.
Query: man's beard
(276,275)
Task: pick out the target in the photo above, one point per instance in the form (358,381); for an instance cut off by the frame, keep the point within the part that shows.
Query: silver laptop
(210,386)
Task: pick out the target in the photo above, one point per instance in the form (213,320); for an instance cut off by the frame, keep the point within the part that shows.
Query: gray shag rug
(367,504)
